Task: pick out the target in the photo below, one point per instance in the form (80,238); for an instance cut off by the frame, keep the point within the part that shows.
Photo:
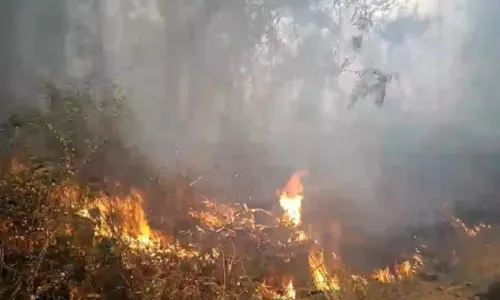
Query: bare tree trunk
(195,42)
(172,65)
(84,48)
(32,39)
(111,36)
(6,38)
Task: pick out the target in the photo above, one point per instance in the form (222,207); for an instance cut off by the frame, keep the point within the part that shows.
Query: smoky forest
(249,149)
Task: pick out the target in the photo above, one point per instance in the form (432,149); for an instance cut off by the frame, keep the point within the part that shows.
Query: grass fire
(68,232)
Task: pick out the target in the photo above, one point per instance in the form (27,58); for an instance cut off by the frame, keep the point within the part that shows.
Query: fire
(322,280)
(216,216)
(384,275)
(290,292)
(470,232)
(67,194)
(123,218)
(291,202)
(133,223)
(290,199)
(405,270)
(298,237)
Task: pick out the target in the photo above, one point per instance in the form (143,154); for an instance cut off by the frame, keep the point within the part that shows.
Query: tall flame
(322,280)
(290,292)
(290,199)
(291,203)
(124,218)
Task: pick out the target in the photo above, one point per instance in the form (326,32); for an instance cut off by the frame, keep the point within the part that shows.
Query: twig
(41,256)
(224,273)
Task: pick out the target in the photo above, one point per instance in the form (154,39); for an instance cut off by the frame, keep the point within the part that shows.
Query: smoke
(246,92)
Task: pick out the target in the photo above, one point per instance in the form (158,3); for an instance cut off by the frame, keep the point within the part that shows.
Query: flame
(216,216)
(298,237)
(290,199)
(290,292)
(287,292)
(267,292)
(384,275)
(404,270)
(123,218)
(120,217)
(470,232)
(322,280)
(291,203)
(133,223)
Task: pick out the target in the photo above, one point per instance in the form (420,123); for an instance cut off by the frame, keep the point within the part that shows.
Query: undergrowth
(58,159)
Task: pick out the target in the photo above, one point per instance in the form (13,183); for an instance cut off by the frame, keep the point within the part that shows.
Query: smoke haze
(247,92)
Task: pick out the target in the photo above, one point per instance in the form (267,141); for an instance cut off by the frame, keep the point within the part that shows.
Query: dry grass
(48,250)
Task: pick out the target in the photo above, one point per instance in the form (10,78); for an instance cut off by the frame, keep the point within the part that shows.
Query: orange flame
(322,280)
(384,275)
(290,292)
(287,292)
(216,215)
(290,199)
(457,223)
(405,270)
(124,218)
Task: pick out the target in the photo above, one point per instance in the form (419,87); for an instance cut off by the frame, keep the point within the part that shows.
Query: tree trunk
(6,36)
(172,66)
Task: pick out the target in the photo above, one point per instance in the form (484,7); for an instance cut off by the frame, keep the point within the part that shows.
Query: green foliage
(48,250)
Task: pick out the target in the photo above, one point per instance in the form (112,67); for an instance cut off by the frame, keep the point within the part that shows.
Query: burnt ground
(475,272)
(456,265)
(472,264)
(470,269)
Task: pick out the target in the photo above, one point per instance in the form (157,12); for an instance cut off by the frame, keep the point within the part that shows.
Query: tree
(30,52)
(243,55)
(480,60)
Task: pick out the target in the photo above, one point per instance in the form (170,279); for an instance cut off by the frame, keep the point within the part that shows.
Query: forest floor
(475,275)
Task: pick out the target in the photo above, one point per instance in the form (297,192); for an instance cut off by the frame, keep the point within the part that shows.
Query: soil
(475,275)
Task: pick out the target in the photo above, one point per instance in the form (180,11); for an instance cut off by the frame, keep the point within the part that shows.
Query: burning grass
(226,254)
(66,235)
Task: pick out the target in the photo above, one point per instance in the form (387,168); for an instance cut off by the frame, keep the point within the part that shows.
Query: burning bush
(75,223)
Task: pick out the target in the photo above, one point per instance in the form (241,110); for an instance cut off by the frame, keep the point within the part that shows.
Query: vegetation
(84,214)
(216,51)
(69,231)
(56,163)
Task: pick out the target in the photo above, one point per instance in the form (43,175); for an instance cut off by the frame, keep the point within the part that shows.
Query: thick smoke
(246,92)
